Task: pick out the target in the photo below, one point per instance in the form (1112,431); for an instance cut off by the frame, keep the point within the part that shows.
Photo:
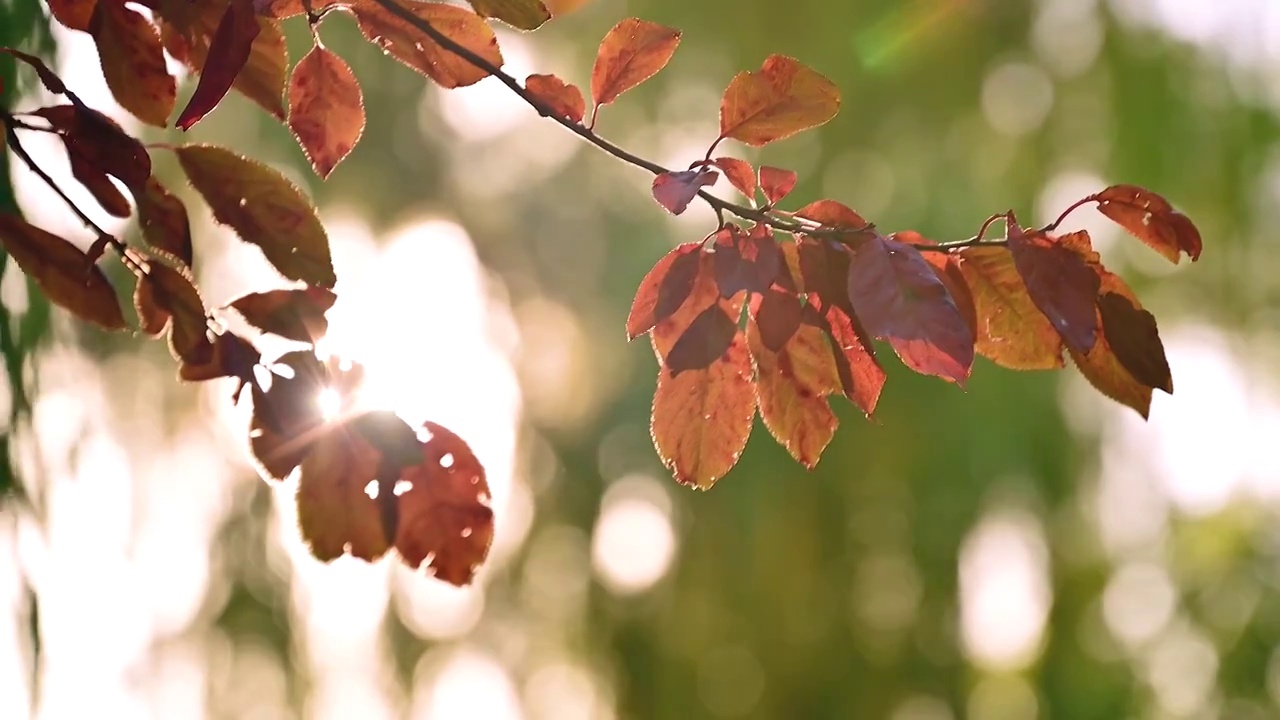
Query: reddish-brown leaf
(824,267)
(792,383)
(335,512)
(900,299)
(164,223)
(675,190)
(99,185)
(832,214)
(48,78)
(522,14)
(1011,330)
(746,261)
(1061,284)
(228,53)
(1132,335)
(264,208)
(703,342)
(296,314)
(165,293)
(776,183)
(133,62)
(417,51)
(65,274)
(861,377)
(777,318)
(701,418)
(561,99)
(326,109)
(740,173)
(445,519)
(702,295)
(777,101)
(75,14)
(232,357)
(947,268)
(632,52)
(664,289)
(96,142)
(1151,219)
(790,277)
(286,417)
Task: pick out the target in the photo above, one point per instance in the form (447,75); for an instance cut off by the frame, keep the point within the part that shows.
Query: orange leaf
(562,99)
(65,274)
(133,62)
(335,513)
(861,377)
(740,173)
(704,341)
(1151,219)
(701,295)
(775,102)
(675,190)
(228,53)
(445,518)
(702,418)
(1011,330)
(777,319)
(163,220)
(832,214)
(293,314)
(417,51)
(632,51)
(664,289)
(1060,283)
(746,261)
(264,209)
(792,383)
(776,183)
(326,109)
(75,14)
(522,14)
(174,296)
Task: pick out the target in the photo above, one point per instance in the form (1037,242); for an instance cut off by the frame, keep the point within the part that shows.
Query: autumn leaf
(335,513)
(775,102)
(664,289)
(262,207)
(296,314)
(861,377)
(326,109)
(522,14)
(445,519)
(740,173)
(75,14)
(776,183)
(900,299)
(833,214)
(1133,337)
(947,268)
(675,190)
(1060,283)
(228,53)
(232,357)
(99,186)
(1011,330)
(777,319)
(701,418)
(746,261)
(1151,219)
(792,383)
(99,142)
(632,51)
(702,295)
(561,99)
(133,62)
(164,293)
(163,220)
(66,275)
(703,342)
(419,52)
(286,416)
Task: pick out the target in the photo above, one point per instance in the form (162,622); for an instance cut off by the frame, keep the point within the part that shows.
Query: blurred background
(1024,549)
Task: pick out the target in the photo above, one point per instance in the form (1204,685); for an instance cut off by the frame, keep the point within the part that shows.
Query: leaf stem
(1072,208)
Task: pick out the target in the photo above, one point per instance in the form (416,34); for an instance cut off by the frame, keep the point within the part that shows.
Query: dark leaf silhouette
(705,340)
(675,190)
(66,275)
(286,417)
(164,223)
(632,51)
(746,261)
(228,53)
(561,99)
(775,102)
(326,109)
(133,62)
(336,514)
(168,294)
(233,357)
(1134,339)
(293,314)
(100,143)
(777,319)
(48,77)
(1060,283)
(1151,219)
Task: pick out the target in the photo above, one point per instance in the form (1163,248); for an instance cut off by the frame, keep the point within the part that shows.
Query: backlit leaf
(232,357)
(792,383)
(704,341)
(1011,330)
(228,53)
(522,14)
(75,14)
(675,190)
(701,418)
(1134,339)
(335,513)
(746,261)
(775,102)
(702,295)
(96,141)
(99,185)
(740,173)
(63,272)
(1061,284)
(286,417)
(562,99)
(632,51)
(1151,219)
(777,319)
(664,289)
(832,214)
(861,377)
(326,109)
(776,183)
(294,314)
(417,51)
(947,268)
(264,209)
(900,299)
(174,296)
(133,62)
(164,223)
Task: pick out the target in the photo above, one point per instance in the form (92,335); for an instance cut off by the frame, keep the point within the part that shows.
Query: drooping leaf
(66,275)
(100,143)
(562,99)
(825,268)
(775,102)
(746,261)
(675,190)
(99,185)
(947,268)
(1134,339)
(897,295)
(522,14)
(703,342)
(446,522)
(861,377)
(632,51)
(75,14)
(296,314)
(701,418)
(1011,330)
(164,223)
(133,62)
(777,319)
(664,289)
(286,417)
(740,173)
(335,513)
(232,357)
(702,295)
(326,109)
(228,53)
(419,52)
(1151,219)
(264,208)
(165,293)
(1060,283)
(792,383)
(776,183)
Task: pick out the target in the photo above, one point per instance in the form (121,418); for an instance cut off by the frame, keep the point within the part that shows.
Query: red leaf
(746,261)
(66,275)
(664,289)
(825,269)
(562,99)
(99,185)
(164,223)
(675,190)
(335,512)
(740,173)
(417,51)
(174,295)
(75,14)
(777,101)
(832,214)
(946,267)
(326,109)
(1011,330)
(294,314)
(133,62)
(703,342)
(701,296)
(632,51)
(898,296)
(228,52)
(1151,219)
(777,319)
(97,143)
(792,383)
(861,376)
(776,183)
(1060,283)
